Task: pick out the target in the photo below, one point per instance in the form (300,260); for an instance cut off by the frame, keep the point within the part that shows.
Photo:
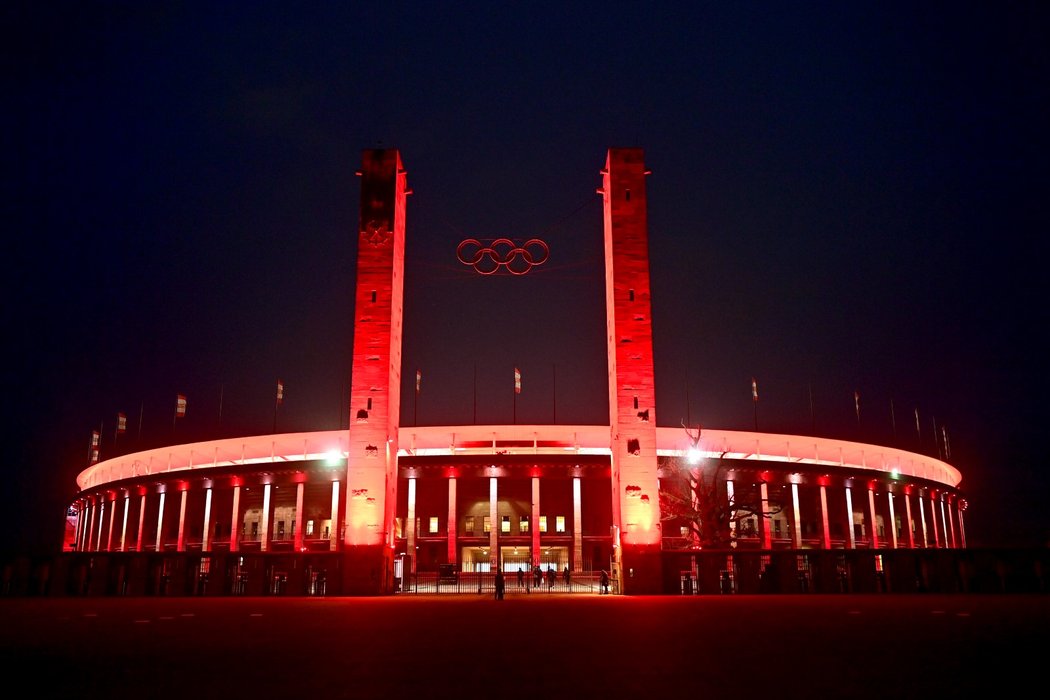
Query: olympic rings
(502,253)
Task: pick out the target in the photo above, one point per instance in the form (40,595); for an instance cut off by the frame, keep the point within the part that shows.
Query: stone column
(101,519)
(922,519)
(577,525)
(824,516)
(766,521)
(113,519)
(124,524)
(160,522)
(962,530)
(333,534)
(944,525)
(535,525)
(893,521)
(142,523)
(299,494)
(851,539)
(933,519)
(206,539)
(410,527)
(874,518)
(907,513)
(453,523)
(494,525)
(796,535)
(235,518)
(182,520)
(264,546)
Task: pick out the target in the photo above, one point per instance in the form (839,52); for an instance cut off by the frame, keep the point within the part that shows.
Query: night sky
(845,196)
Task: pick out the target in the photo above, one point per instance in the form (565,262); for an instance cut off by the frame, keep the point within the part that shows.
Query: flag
(280,392)
(95,439)
(754,389)
(122,423)
(180,406)
(419,379)
(517,380)
(856,403)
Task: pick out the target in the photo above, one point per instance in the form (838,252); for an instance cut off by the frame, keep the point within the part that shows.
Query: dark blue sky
(845,196)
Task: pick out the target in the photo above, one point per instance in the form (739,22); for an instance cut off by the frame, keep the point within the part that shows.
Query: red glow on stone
(824,480)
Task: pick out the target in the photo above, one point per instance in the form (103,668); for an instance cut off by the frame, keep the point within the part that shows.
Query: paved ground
(542,648)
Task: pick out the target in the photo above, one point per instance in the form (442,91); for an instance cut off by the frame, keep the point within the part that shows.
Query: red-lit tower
(632,394)
(371,470)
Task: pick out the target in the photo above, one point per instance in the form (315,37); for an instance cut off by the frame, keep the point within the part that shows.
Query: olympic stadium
(628,507)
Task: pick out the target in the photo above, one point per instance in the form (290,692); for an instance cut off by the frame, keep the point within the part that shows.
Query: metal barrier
(481,583)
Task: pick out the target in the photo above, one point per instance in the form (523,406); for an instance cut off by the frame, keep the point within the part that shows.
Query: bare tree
(694,496)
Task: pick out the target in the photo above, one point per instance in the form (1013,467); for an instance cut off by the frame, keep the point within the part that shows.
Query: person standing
(521,577)
(605,581)
(500,584)
(566,576)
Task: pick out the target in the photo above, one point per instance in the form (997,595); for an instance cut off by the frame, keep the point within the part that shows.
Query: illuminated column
(874,521)
(235,518)
(577,525)
(142,522)
(893,520)
(264,545)
(907,514)
(765,523)
(944,525)
(851,539)
(375,392)
(962,529)
(632,395)
(933,519)
(113,519)
(797,533)
(79,505)
(333,535)
(453,521)
(731,496)
(124,523)
(182,520)
(922,519)
(160,522)
(90,527)
(101,518)
(493,526)
(410,527)
(951,522)
(206,541)
(535,525)
(826,532)
(299,494)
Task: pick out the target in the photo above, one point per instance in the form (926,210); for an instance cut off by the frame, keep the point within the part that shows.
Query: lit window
(559,523)
(523,524)
(468,524)
(504,525)
(543,523)
(433,524)
(486,526)
(309,528)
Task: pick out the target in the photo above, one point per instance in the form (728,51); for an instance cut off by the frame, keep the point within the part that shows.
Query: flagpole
(812,416)
(893,421)
(475,393)
(554,392)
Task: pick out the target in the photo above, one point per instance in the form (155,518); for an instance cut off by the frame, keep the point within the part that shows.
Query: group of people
(538,577)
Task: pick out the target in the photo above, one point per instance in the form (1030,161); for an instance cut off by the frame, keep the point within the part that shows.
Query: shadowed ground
(889,646)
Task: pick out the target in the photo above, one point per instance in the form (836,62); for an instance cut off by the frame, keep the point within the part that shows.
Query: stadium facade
(381,508)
